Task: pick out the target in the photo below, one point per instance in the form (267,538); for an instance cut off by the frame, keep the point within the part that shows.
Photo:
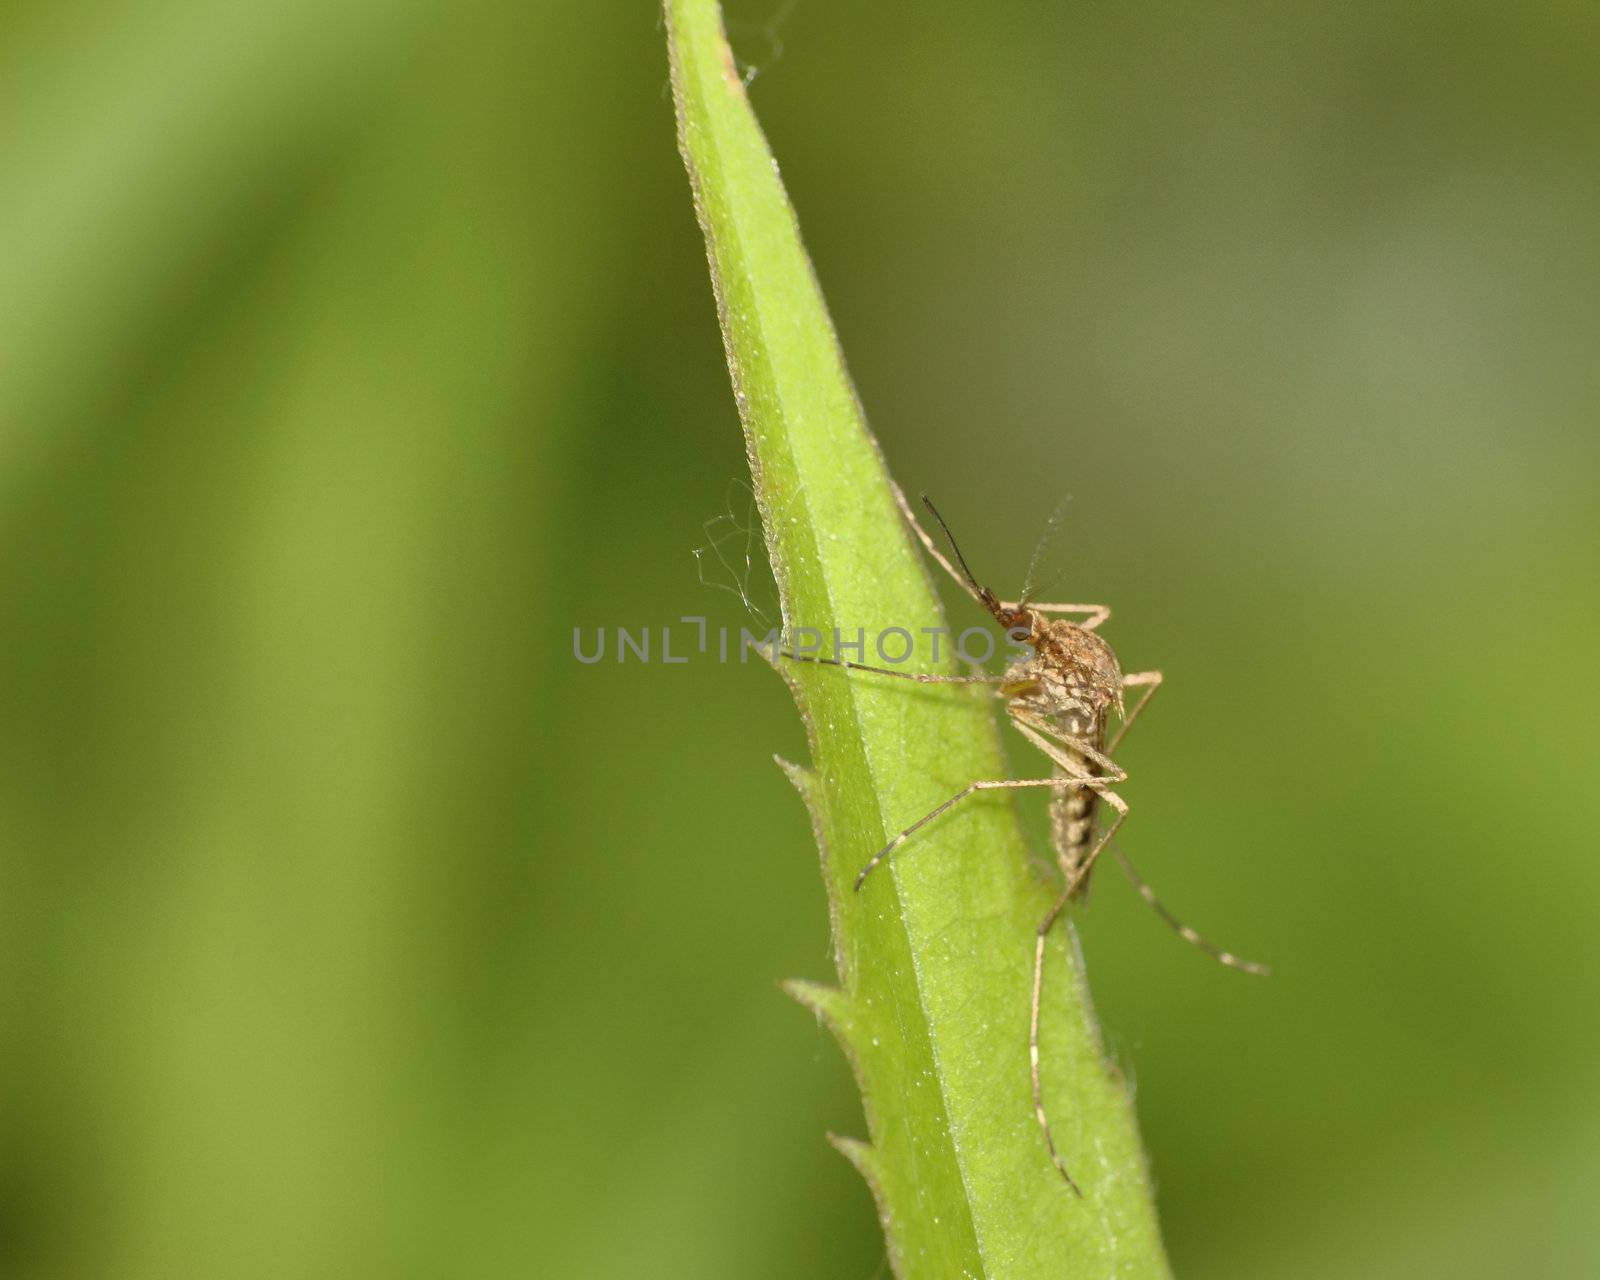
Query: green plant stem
(934,954)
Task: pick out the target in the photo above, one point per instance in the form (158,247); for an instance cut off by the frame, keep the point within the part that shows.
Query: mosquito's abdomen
(1072,829)
(1072,816)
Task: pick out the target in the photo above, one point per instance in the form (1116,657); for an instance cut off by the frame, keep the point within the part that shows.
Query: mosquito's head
(1021,623)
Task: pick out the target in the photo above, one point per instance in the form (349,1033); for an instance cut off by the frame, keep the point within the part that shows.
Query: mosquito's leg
(1033,1042)
(971,789)
(1060,905)
(1178,926)
(1033,728)
(1096,613)
(918,676)
(1061,748)
(929,545)
(1150,681)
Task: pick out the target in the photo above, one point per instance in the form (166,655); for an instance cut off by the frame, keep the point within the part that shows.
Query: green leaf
(935,953)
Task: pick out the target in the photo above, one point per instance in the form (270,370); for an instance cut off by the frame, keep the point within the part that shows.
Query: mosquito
(1060,698)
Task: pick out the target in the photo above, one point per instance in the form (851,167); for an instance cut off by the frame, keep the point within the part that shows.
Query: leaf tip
(863,1155)
(830,1004)
(804,779)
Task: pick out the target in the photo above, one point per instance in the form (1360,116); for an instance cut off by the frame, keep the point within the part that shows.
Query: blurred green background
(352,353)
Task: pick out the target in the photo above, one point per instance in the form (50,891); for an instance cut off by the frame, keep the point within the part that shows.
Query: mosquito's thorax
(1072,676)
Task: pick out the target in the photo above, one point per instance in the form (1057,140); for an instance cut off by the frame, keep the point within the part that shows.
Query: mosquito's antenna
(1177,926)
(1050,527)
(951,539)
(1044,588)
